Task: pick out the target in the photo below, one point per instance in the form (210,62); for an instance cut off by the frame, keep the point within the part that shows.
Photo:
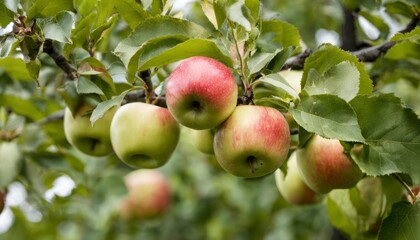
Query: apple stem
(250,160)
(405,185)
(94,142)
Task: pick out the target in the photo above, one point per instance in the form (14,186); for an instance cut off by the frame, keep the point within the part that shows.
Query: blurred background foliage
(59,193)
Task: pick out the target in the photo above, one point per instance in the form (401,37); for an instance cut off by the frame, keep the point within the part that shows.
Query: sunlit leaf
(392,134)
(328,116)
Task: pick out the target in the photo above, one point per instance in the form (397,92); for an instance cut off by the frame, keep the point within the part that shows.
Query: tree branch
(59,59)
(348,30)
(297,62)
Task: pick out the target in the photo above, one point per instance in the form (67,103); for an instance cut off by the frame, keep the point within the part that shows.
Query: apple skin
(252,142)
(144,135)
(201,93)
(292,187)
(149,195)
(324,166)
(203,140)
(2,201)
(91,140)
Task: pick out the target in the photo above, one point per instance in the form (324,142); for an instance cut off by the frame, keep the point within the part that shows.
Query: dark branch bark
(297,62)
(140,96)
(372,53)
(348,31)
(59,59)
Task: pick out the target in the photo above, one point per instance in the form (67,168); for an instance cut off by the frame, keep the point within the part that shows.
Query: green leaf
(104,106)
(327,56)
(357,211)
(392,136)
(259,60)
(413,36)
(239,13)
(398,8)
(131,11)
(92,66)
(15,68)
(59,27)
(278,61)
(404,50)
(189,48)
(42,8)
(282,87)
(341,80)
(328,116)
(6,15)
(10,162)
(150,29)
(7,44)
(214,12)
(85,86)
(402,223)
(277,34)
(33,68)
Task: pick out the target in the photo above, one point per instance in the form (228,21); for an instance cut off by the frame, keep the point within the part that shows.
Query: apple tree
(243,110)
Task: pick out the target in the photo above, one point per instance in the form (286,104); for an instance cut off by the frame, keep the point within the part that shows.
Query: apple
(292,187)
(203,140)
(144,135)
(2,201)
(324,166)
(201,93)
(79,132)
(149,195)
(254,141)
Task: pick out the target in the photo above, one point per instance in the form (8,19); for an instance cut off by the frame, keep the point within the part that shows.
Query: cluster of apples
(201,94)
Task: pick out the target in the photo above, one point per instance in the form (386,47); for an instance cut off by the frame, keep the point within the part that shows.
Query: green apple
(292,187)
(254,141)
(2,201)
(144,135)
(201,93)
(324,166)
(203,140)
(92,140)
(149,195)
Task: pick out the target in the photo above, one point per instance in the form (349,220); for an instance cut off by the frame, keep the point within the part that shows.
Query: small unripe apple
(292,187)
(201,93)
(324,166)
(149,195)
(2,201)
(144,135)
(92,140)
(203,140)
(252,142)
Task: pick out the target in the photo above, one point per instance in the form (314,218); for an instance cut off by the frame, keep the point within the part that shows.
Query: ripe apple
(252,142)
(324,166)
(203,140)
(149,195)
(144,135)
(201,93)
(292,187)
(2,201)
(92,140)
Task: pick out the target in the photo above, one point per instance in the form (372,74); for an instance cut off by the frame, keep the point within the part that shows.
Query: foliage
(55,54)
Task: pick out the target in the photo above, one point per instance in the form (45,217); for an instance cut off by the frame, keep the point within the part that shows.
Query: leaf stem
(244,79)
(405,185)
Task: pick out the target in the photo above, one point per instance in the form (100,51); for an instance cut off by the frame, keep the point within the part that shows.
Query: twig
(148,85)
(297,62)
(405,185)
(59,59)
(372,53)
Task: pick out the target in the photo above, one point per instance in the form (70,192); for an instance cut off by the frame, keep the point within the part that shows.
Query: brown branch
(369,54)
(348,30)
(297,62)
(59,59)
(140,96)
